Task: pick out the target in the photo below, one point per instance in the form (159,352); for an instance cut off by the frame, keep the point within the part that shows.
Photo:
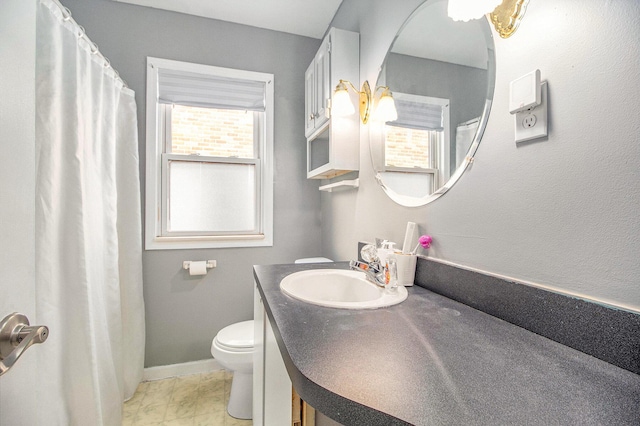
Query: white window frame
(156,188)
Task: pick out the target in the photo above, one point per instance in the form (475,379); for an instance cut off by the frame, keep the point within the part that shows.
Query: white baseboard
(184,369)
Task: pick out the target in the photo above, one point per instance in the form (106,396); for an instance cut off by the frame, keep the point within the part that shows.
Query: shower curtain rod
(82,35)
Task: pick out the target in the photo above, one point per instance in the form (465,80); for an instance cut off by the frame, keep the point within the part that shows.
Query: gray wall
(184,313)
(558,213)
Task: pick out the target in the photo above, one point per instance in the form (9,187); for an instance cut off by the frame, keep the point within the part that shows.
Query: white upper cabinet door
(317,90)
(309,99)
(323,82)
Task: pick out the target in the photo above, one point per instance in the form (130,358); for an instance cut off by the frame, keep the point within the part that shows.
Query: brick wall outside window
(406,147)
(213,132)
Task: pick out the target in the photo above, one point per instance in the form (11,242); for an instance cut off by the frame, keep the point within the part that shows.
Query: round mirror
(442,75)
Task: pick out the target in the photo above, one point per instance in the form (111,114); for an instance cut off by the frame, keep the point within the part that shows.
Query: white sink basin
(339,288)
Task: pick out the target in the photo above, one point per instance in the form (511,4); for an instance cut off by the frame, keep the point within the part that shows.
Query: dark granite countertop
(434,361)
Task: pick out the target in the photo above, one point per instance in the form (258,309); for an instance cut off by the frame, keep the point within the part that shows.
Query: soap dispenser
(386,248)
(391,274)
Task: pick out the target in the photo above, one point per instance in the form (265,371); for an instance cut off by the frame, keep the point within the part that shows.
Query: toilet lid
(238,335)
(313,260)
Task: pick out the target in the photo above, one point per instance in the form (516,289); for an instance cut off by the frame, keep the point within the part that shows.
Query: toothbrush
(424,241)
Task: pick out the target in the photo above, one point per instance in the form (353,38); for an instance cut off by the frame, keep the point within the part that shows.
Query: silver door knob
(16,336)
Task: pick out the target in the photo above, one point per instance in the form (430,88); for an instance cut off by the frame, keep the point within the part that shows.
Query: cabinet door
(323,82)
(277,385)
(271,384)
(258,358)
(309,99)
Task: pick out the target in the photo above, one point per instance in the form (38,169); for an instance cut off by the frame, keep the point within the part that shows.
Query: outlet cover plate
(524,130)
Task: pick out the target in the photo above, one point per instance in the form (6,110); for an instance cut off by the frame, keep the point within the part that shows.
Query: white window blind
(417,115)
(208,91)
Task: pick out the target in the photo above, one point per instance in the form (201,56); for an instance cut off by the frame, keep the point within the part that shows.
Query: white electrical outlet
(532,123)
(529,121)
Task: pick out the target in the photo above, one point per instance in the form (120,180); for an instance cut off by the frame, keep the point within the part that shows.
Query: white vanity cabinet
(271,384)
(332,142)
(275,401)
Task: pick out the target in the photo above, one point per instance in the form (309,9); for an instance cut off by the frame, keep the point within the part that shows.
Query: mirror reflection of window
(418,141)
(409,148)
(411,159)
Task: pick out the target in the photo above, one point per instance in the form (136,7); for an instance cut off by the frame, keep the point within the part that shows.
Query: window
(209,157)
(417,143)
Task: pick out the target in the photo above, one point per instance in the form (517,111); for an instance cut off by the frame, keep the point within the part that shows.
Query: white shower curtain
(465,132)
(88,229)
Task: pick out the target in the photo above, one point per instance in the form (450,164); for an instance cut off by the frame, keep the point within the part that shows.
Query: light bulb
(341,105)
(386,109)
(464,10)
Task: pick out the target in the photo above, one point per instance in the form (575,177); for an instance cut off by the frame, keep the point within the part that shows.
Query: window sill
(206,242)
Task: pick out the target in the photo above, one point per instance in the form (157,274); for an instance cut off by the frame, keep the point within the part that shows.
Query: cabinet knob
(311,116)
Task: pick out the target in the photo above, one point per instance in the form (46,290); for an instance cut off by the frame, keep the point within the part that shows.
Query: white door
(17,198)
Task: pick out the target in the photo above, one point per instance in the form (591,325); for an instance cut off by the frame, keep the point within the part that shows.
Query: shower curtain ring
(66,14)
(94,48)
(81,31)
(107,62)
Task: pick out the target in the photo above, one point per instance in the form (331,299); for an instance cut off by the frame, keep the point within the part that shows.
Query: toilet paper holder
(210,264)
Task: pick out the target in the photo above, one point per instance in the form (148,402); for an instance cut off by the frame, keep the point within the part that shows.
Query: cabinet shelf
(339,186)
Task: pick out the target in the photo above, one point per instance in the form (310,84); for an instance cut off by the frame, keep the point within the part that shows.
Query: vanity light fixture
(341,106)
(505,15)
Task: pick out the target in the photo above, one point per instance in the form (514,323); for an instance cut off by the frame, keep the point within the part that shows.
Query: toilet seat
(230,349)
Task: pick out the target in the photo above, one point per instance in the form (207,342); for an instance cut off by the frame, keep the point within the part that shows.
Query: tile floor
(197,400)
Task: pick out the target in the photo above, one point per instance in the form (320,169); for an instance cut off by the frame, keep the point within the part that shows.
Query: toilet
(233,349)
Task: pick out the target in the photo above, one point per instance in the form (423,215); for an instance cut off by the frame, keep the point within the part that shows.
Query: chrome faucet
(371,267)
(371,270)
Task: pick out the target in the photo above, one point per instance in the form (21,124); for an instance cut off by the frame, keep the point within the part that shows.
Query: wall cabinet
(333,143)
